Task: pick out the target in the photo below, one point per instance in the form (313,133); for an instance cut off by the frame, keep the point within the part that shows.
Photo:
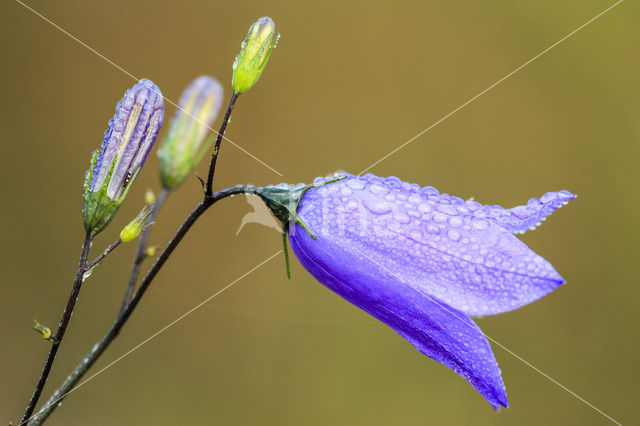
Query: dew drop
(429,190)
(548,197)
(447,209)
(424,208)
(440,217)
(456,221)
(355,184)
(433,229)
(378,206)
(402,218)
(480,224)
(415,199)
(453,235)
(378,189)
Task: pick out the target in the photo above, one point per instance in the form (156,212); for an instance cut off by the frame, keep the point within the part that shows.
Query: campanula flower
(126,145)
(185,143)
(422,262)
(254,54)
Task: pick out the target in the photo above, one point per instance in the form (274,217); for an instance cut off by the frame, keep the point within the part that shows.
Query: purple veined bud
(185,143)
(127,142)
(420,261)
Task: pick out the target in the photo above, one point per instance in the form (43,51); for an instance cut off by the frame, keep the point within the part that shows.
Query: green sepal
(98,209)
(286,253)
(283,201)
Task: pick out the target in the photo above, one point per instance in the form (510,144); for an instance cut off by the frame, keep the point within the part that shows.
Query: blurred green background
(349,82)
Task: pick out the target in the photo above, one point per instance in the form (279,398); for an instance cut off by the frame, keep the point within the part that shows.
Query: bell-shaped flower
(420,261)
(127,141)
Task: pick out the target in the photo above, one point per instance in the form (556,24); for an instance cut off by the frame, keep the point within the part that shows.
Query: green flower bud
(136,226)
(254,54)
(185,143)
(43,330)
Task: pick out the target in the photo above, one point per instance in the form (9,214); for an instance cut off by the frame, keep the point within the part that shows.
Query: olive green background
(348,83)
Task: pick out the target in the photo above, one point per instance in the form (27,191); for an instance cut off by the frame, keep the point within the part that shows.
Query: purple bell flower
(127,142)
(423,262)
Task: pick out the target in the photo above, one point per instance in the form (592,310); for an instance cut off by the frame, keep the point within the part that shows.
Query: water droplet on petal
(402,218)
(447,209)
(415,235)
(440,217)
(424,208)
(378,189)
(355,184)
(415,199)
(378,206)
(456,221)
(453,235)
(480,224)
(433,229)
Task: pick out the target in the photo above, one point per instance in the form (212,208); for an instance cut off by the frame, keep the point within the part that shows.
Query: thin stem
(113,332)
(216,149)
(104,254)
(62,327)
(140,254)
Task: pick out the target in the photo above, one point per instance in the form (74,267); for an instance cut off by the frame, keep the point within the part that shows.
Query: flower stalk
(62,327)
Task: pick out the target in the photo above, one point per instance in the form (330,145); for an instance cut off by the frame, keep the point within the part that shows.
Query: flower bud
(127,142)
(151,251)
(136,226)
(254,54)
(43,330)
(184,145)
(149,197)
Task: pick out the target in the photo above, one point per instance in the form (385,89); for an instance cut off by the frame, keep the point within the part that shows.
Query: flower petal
(525,218)
(440,245)
(435,329)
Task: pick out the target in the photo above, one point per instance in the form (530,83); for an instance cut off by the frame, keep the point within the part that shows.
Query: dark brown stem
(62,327)
(141,253)
(113,332)
(216,149)
(104,254)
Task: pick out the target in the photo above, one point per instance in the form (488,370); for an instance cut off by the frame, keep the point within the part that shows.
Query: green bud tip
(254,54)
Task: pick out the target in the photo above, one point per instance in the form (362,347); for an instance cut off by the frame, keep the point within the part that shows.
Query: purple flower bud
(127,142)
(421,262)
